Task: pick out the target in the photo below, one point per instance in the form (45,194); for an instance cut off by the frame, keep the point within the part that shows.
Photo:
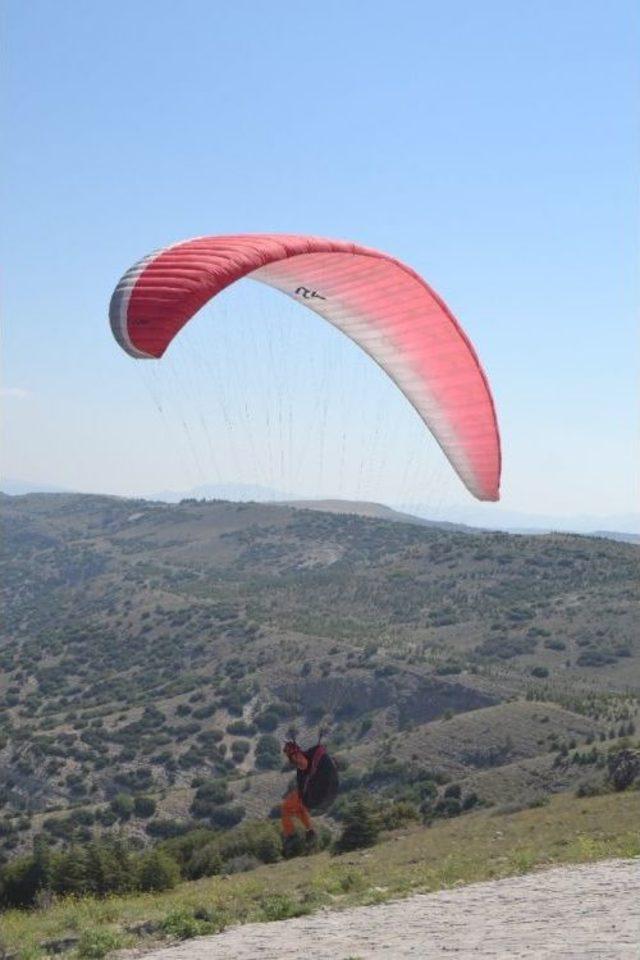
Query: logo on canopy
(307,294)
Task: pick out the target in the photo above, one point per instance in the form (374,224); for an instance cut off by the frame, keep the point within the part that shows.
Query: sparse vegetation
(567,830)
(135,673)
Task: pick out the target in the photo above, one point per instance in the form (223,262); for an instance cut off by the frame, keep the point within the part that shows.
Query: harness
(318,754)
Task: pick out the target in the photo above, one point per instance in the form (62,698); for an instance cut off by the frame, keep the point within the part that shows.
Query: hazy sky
(492,146)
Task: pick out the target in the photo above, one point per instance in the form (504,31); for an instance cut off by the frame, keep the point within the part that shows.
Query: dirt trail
(573,913)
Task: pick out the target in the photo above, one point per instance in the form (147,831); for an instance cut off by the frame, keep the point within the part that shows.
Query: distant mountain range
(621,527)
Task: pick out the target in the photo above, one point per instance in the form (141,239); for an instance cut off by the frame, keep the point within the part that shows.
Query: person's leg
(303,816)
(289,810)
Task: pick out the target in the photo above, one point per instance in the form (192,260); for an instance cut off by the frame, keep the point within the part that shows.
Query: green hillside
(147,647)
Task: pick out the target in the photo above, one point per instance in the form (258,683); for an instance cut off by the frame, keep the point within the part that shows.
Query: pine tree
(361,826)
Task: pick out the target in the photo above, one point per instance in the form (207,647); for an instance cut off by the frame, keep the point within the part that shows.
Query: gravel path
(573,913)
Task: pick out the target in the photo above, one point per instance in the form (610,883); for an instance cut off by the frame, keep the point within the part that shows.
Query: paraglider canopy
(377,301)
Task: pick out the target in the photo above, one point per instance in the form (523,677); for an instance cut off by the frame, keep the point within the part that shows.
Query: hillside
(146,645)
(363,903)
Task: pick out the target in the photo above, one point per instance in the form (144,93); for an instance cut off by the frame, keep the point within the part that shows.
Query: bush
(205,862)
(257,838)
(227,816)
(448,807)
(554,644)
(268,753)
(96,944)
(210,796)
(209,737)
(361,826)
(157,871)
(182,924)
(267,721)
(393,815)
(122,806)
(144,807)
(201,713)
(623,767)
(241,728)
(279,906)
(19,883)
(540,672)
(239,749)
(163,829)
(595,658)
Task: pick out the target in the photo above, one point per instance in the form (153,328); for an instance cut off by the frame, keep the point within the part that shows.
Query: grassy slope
(481,846)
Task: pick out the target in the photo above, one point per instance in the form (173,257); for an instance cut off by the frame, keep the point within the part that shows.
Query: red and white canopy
(381,304)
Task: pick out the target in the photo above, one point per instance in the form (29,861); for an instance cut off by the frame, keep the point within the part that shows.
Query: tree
(361,826)
(157,871)
(21,880)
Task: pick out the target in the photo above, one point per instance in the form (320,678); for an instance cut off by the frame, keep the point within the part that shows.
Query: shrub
(209,737)
(97,943)
(122,806)
(361,826)
(448,807)
(205,862)
(201,713)
(393,815)
(268,753)
(167,828)
(623,767)
(267,720)
(241,728)
(540,672)
(553,644)
(144,806)
(182,924)
(239,750)
(215,791)
(227,816)
(209,796)
(157,871)
(256,838)
(595,658)
(279,906)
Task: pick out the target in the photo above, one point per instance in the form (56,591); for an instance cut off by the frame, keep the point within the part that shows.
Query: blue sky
(492,146)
